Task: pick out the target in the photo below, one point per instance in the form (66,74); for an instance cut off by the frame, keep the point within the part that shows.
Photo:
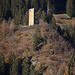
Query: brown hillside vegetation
(64,19)
(54,53)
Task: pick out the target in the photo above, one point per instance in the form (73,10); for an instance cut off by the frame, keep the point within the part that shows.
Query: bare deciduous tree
(4,28)
(12,27)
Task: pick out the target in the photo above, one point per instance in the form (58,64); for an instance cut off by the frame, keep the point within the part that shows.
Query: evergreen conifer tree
(43,5)
(26,18)
(43,15)
(28,4)
(12,58)
(0,8)
(38,14)
(26,66)
(33,71)
(34,4)
(50,10)
(70,7)
(15,67)
(37,39)
(2,64)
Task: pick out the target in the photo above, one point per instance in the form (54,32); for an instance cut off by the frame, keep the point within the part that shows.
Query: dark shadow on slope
(60,6)
(8,15)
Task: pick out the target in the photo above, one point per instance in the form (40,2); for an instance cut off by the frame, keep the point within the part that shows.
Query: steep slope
(54,53)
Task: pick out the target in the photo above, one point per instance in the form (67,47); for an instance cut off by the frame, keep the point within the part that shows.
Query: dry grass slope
(52,55)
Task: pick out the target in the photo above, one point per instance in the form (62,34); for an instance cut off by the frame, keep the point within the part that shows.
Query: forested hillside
(39,50)
(18,9)
(46,48)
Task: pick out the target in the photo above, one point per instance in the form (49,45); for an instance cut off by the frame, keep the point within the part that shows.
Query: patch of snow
(24,26)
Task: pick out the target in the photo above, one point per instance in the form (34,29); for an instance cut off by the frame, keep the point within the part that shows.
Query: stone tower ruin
(31,17)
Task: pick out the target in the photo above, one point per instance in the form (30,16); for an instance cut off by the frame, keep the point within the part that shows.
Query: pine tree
(15,67)
(26,66)
(43,15)
(39,6)
(14,5)
(35,42)
(38,14)
(28,4)
(3,29)
(70,8)
(50,10)
(53,24)
(33,71)
(26,18)
(12,58)
(38,32)
(0,8)
(37,39)
(3,8)
(43,5)
(18,10)
(7,9)
(34,4)
(49,16)
(71,65)
(18,19)
(2,64)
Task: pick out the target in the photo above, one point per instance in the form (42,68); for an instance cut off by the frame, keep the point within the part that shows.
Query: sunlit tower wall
(31,17)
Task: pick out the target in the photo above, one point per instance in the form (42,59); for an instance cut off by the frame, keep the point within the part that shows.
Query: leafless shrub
(61,69)
(4,28)
(12,27)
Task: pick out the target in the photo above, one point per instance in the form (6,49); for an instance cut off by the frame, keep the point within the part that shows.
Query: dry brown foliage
(12,27)
(54,51)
